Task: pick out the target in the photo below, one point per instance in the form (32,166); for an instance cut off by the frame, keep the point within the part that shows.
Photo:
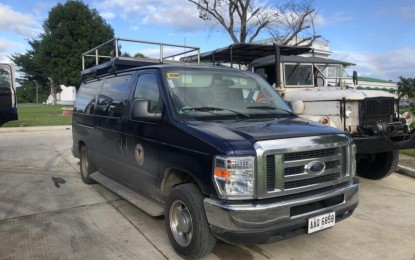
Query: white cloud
(107,15)
(180,14)
(408,12)
(338,17)
(8,47)
(387,65)
(16,22)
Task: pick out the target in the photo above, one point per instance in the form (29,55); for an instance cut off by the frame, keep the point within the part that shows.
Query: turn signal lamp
(324,120)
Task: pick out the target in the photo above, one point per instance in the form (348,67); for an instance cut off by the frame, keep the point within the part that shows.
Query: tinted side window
(147,88)
(85,99)
(112,96)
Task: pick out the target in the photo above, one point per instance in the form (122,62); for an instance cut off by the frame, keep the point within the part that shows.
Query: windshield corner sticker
(139,154)
(171,75)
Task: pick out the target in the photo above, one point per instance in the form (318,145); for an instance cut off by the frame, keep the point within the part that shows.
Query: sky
(377,35)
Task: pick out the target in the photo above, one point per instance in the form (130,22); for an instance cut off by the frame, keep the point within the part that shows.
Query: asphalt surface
(39,220)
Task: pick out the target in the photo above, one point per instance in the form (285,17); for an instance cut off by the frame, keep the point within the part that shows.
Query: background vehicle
(8,109)
(319,89)
(216,150)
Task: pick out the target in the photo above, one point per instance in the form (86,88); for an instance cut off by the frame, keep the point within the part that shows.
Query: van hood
(324,94)
(241,135)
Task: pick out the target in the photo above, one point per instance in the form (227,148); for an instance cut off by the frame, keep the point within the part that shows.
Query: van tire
(377,165)
(86,166)
(186,223)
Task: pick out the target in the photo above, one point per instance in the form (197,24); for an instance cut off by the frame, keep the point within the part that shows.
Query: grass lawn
(39,115)
(410,152)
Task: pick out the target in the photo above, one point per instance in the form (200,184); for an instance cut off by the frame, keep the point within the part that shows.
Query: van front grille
(303,168)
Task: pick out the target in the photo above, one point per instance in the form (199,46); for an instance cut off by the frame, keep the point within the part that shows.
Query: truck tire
(186,223)
(377,165)
(86,166)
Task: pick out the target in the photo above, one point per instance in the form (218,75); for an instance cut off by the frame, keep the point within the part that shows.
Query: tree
(32,77)
(406,87)
(70,30)
(244,20)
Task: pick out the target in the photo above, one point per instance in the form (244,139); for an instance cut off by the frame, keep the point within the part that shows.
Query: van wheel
(86,166)
(376,166)
(186,223)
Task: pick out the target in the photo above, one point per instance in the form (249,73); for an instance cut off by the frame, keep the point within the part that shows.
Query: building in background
(65,97)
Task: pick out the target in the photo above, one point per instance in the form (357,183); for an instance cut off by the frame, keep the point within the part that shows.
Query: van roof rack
(245,53)
(108,58)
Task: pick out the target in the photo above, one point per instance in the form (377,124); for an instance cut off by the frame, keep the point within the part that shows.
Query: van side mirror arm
(141,111)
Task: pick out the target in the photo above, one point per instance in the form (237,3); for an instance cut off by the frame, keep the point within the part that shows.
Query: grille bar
(375,110)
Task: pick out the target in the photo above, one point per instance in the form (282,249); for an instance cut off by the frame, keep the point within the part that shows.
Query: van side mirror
(141,111)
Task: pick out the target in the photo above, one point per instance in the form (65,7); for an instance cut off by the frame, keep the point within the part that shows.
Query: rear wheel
(86,166)
(376,166)
(186,223)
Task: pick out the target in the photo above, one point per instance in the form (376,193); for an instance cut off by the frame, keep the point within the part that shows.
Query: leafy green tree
(406,87)
(70,29)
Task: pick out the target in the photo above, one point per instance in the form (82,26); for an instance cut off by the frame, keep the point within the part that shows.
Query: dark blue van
(216,150)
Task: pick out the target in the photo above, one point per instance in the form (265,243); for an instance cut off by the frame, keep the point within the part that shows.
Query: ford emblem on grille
(315,167)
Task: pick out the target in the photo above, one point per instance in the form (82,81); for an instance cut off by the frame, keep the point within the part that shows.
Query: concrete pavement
(77,221)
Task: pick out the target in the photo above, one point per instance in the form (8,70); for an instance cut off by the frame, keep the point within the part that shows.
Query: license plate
(321,222)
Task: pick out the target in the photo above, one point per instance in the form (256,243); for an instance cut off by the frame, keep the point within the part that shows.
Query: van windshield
(217,93)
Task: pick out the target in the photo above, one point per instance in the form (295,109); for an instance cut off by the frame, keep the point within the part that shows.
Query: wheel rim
(181,223)
(84,164)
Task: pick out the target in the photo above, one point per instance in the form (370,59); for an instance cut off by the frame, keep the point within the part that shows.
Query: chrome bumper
(257,217)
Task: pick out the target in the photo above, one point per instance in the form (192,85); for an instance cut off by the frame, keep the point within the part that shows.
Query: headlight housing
(349,111)
(234,176)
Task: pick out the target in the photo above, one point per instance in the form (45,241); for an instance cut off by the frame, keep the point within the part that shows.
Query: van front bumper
(276,219)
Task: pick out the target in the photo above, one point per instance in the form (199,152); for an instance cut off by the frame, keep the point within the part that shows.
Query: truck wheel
(186,223)
(377,165)
(86,166)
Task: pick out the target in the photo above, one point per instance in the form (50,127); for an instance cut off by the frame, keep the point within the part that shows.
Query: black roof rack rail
(245,53)
(107,57)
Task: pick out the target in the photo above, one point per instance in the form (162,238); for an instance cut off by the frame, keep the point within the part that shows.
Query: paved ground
(76,221)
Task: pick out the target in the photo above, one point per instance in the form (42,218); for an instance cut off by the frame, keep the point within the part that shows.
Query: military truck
(190,143)
(320,89)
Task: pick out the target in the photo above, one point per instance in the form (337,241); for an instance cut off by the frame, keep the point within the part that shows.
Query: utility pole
(37,93)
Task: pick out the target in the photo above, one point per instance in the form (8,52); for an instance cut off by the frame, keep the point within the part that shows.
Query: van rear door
(8,110)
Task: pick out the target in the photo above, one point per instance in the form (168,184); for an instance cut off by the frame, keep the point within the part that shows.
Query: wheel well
(81,143)
(174,177)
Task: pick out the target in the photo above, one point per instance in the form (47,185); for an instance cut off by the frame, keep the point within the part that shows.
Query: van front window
(216,93)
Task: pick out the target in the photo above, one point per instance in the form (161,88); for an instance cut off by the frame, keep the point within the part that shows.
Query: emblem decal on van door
(139,154)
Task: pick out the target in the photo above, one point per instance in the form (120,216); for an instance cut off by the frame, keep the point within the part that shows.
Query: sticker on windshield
(172,75)
(139,154)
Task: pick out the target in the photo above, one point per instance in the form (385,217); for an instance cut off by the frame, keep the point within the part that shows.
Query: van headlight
(235,176)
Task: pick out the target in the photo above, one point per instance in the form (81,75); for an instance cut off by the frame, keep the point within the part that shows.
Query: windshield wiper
(271,108)
(210,109)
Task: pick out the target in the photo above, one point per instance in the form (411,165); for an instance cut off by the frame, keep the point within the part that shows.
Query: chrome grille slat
(305,161)
(311,181)
(304,175)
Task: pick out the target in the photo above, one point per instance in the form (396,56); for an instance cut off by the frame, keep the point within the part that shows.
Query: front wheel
(186,223)
(376,166)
